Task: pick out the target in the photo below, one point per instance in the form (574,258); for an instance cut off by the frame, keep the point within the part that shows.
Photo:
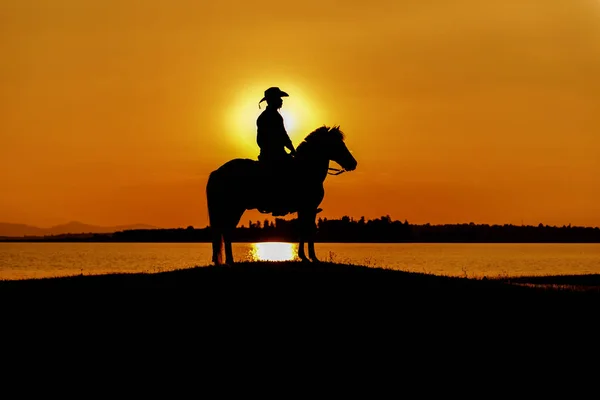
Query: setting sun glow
(273,251)
(115,112)
(300,116)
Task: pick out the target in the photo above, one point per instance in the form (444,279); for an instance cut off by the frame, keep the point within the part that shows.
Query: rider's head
(273,97)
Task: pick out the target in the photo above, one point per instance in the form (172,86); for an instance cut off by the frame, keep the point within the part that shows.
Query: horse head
(330,141)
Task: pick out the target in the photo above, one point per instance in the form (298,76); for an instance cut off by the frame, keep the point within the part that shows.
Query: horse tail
(215,218)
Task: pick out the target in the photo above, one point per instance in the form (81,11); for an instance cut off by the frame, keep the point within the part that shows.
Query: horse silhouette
(243,184)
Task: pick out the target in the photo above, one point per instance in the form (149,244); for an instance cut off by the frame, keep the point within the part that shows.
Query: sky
(114,112)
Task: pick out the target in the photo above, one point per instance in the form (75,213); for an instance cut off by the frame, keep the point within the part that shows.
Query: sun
(300,117)
(273,251)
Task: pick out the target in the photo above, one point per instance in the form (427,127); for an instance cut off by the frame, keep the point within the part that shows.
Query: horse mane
(324,131)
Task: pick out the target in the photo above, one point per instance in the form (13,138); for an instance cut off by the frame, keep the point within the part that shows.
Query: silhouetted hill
(321,288)
(292,309)
(18,230)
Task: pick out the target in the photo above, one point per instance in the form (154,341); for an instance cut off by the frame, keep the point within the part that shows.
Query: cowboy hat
(273,92)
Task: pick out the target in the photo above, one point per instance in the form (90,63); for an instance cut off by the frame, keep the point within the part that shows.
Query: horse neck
(313,162)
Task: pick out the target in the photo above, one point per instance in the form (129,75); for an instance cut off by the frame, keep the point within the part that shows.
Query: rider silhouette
(273,139)
(271,136)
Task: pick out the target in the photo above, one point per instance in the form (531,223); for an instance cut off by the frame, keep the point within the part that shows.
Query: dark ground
(295,287)
(294,311)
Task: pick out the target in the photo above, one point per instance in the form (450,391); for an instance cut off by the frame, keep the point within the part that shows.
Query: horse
(244,184)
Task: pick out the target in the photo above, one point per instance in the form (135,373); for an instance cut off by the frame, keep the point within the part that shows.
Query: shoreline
(575,280)
(286,270)
(286,240)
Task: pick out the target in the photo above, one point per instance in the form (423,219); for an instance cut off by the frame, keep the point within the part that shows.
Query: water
(38,260)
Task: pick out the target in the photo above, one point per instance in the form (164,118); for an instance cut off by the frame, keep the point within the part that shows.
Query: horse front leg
(301,253)
(311,251)
(308,232)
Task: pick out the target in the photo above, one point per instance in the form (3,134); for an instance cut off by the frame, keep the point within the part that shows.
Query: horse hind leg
(232,222)
(228,248)
(217,249)
(214,200)
(216,227)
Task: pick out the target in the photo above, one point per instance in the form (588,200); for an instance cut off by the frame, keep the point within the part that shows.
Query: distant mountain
(7,229)
(18,230)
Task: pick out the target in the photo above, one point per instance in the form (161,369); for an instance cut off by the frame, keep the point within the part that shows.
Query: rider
(271,136)
(273,139)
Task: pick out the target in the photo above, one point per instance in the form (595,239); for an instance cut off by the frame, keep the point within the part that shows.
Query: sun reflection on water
(273,251)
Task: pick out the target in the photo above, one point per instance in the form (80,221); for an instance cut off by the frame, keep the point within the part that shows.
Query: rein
(338,171)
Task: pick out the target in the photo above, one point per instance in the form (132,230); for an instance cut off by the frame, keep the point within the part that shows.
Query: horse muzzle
(351,166)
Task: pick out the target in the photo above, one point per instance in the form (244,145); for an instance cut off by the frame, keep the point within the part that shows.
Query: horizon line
(353,219)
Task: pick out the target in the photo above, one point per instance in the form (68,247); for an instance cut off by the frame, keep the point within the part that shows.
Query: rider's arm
(290,146)
(288,142)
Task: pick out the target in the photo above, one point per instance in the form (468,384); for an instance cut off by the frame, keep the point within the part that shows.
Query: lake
(23,260)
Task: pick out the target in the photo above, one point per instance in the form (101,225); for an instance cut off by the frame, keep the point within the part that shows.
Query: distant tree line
(347,229)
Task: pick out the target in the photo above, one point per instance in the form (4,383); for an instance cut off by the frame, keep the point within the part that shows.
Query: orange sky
(115,111)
